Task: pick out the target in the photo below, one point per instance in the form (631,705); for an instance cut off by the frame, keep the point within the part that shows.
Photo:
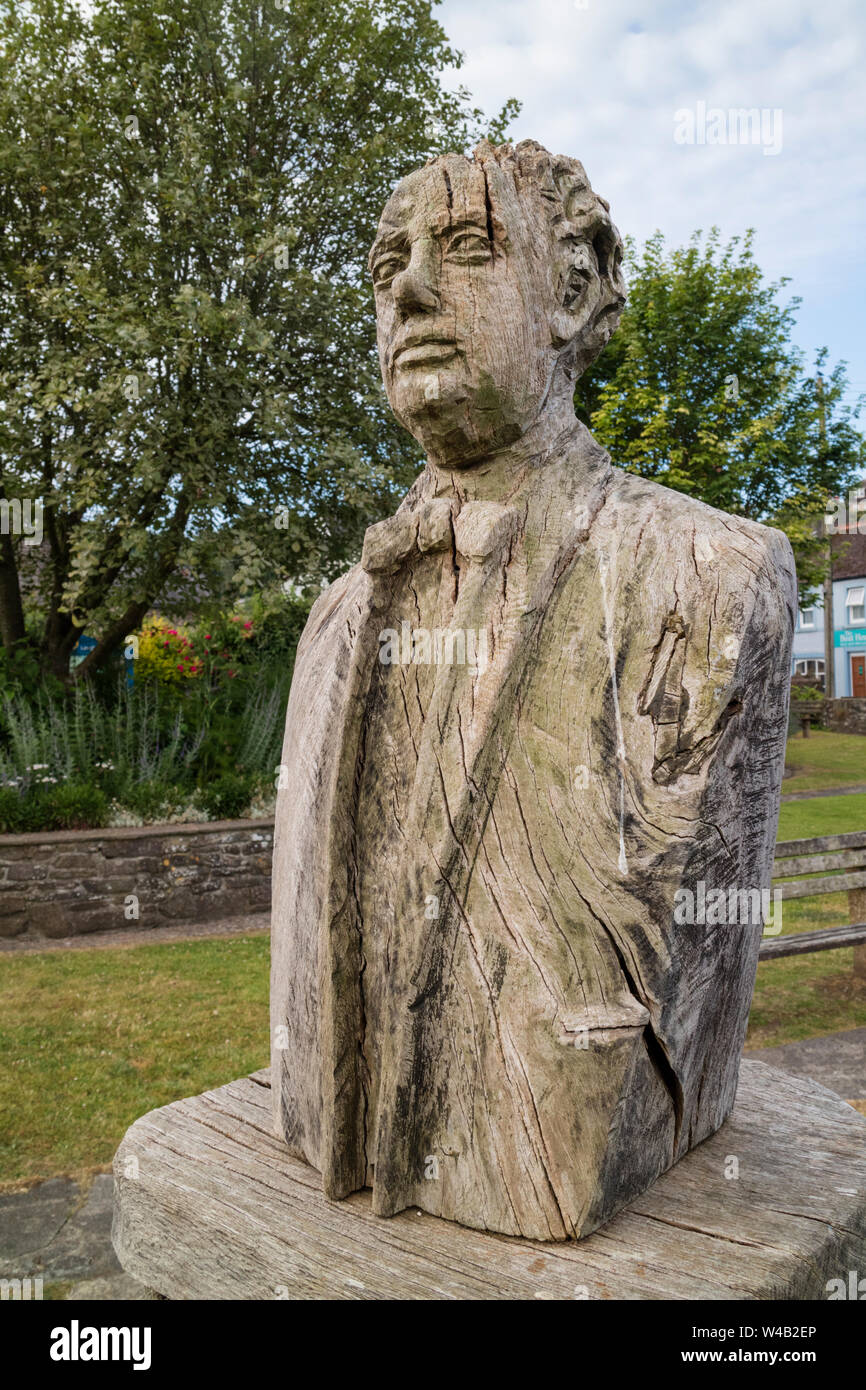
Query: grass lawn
(825,815)
(93,1039)
(804,996)
(825,760)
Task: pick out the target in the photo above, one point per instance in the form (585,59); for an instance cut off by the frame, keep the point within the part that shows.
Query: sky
(621,85)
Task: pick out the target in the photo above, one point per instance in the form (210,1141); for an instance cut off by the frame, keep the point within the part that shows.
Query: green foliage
(189,377)
(806,692)
(150,747)
(243,663)
(70,806)
(76,737)
(152,802)
(20,671)
(702,390)
(278,624)
(211,738)
(242,722)
(227,797)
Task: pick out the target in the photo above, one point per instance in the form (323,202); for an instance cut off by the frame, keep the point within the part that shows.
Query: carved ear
(591,291)
(578,290)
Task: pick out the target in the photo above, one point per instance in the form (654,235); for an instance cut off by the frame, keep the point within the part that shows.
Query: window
(855,602)
(808,666)
(807,617)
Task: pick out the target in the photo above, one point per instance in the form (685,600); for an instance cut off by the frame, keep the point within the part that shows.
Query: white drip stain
(620,742)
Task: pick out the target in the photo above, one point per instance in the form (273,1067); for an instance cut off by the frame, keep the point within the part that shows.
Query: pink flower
(248,626)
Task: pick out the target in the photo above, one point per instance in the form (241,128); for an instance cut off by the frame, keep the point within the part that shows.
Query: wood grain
(803,943)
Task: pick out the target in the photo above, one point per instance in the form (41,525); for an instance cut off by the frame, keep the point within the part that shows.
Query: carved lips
(424,350)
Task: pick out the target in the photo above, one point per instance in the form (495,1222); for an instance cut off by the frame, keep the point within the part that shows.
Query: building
(849,624)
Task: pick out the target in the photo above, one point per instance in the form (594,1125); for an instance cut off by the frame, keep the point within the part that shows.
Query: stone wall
(846,716)
(69,882)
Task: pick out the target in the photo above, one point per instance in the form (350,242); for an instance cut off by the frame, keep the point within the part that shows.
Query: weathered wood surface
(819,863)
(857,912)
(476,861)
(208,1205)
(804,943)
(843,856)
(840,852)
(819,844)
(812,887)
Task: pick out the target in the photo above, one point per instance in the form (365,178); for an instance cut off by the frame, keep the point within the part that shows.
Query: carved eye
(385,269)
(469,248)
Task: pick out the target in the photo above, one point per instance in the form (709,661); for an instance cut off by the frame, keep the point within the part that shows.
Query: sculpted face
(480,299)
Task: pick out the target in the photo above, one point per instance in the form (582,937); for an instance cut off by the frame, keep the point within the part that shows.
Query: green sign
(850,637)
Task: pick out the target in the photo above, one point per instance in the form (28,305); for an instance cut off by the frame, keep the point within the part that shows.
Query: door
(858,676)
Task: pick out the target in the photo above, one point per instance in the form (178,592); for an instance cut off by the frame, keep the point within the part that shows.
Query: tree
(702,390)
(189,189)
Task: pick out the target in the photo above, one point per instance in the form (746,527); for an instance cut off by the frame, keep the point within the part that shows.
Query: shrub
(21,672)
(806,692)
(166,654)
(73,806)
(153,801)
(11,803)
(227,797)
(78,806)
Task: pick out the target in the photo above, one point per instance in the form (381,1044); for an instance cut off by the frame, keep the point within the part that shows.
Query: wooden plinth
(209,1205)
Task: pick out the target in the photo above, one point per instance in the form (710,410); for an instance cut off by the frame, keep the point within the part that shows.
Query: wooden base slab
(209,1205)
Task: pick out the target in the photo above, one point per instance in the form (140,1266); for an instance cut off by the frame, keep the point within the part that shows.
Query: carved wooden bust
(548,706)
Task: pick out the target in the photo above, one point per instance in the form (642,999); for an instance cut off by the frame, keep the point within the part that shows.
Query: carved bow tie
(476,530)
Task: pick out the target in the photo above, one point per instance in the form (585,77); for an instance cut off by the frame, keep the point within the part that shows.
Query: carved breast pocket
(683,745)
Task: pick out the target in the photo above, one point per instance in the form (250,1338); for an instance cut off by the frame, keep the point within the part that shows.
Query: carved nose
(412,293)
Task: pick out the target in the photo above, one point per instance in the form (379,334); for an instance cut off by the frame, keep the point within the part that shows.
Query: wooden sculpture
(548,705)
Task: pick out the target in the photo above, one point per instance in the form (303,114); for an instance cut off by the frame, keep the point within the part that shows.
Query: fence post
(857,913)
